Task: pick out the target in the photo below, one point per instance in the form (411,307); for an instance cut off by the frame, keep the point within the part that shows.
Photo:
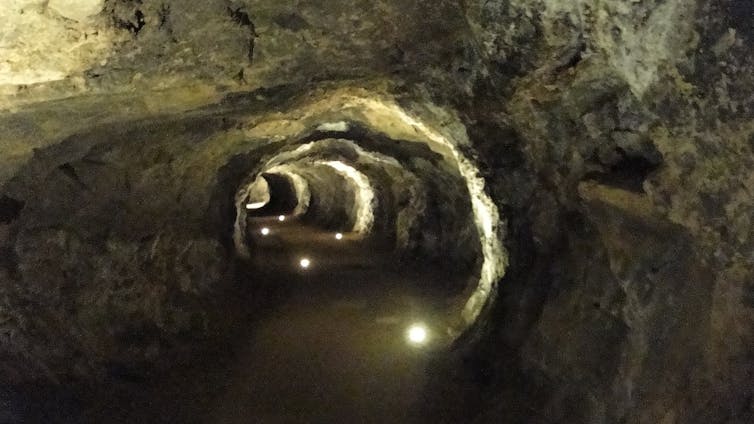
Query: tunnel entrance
(280,199)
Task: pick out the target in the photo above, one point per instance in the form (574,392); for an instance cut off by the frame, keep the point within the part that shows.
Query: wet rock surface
(615,139)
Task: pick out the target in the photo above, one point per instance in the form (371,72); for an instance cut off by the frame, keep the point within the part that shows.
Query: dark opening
(283,198)
(10,209)
(629,172)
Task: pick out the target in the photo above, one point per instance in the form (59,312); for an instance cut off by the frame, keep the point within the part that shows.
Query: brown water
(337,350)
(331,347)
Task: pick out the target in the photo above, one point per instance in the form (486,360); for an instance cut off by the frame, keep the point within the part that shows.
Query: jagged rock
(607,144)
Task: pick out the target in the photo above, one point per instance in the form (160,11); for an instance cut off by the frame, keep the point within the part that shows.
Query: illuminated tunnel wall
(356,135)
(158,231)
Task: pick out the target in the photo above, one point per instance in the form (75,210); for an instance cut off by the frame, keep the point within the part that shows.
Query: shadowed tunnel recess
(560,192)
(350,225)
(216,289)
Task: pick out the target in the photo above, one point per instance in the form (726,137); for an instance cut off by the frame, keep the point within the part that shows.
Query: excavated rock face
(627,179)
(601,150)
(123,240)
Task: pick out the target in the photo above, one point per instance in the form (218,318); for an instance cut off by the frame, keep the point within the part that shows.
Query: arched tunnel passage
(407,197)
(606,146)
(365,269)
(382,241)
(281,197)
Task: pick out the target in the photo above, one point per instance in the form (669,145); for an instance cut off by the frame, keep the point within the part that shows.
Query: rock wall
(120,238)
(624,166)
(615,137)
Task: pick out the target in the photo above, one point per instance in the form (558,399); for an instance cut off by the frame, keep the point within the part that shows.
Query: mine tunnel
(384,211)
(272,194)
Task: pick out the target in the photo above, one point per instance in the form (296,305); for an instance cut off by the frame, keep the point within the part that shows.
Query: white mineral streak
(394,119)
(365,198)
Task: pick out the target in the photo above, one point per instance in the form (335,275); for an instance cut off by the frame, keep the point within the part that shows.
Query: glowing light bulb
(265,231)
(281,218)
(339,236)
(256,205)
(305,263)
(417,334)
